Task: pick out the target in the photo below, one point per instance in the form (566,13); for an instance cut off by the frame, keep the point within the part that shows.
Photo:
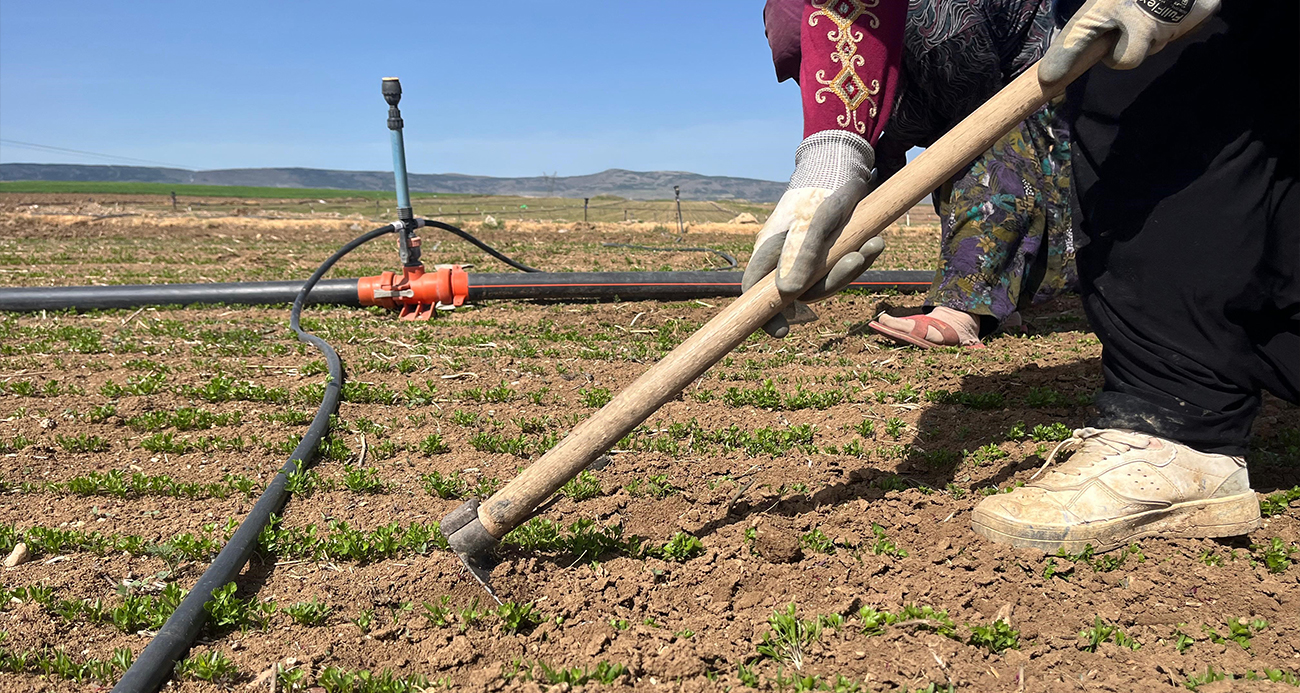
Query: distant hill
(633,185)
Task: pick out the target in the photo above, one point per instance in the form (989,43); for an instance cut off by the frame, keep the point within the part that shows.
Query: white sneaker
(1120,486)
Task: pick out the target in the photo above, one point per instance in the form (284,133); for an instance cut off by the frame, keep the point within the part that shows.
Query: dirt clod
(18,556)
(777,545)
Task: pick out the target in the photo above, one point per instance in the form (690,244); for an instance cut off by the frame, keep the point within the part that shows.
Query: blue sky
(505,89)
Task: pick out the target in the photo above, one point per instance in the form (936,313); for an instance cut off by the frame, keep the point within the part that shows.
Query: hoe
(474,528)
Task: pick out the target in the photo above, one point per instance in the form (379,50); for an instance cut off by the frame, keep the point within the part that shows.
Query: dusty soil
(853,493)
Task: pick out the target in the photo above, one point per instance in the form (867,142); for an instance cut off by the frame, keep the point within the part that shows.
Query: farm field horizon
(215,200)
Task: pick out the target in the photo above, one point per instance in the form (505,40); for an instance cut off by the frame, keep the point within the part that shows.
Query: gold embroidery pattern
(847,85)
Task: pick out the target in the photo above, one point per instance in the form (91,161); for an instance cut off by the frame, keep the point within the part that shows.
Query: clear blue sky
(503,89)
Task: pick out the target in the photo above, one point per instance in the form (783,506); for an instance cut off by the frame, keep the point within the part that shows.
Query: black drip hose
(479,244)
(156,662)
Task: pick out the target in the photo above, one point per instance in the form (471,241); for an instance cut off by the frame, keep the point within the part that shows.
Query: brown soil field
(797,520)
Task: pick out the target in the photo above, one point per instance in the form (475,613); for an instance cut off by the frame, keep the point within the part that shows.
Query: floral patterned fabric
(1007,240)
(1005,220)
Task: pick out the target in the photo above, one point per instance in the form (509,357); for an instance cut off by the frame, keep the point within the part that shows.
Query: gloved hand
(1144,27)
(832,174)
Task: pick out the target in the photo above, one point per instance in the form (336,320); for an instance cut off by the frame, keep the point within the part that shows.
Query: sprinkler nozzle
(392,95)
(392,90)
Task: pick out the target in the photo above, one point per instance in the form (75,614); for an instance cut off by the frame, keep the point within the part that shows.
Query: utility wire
(64,150)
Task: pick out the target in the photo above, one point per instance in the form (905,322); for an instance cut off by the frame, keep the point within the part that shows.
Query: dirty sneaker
(1120,486)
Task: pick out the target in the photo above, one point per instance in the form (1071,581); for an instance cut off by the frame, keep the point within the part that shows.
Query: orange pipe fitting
(415,293)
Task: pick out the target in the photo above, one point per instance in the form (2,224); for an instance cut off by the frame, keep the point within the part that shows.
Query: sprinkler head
(392,90)
(393,94)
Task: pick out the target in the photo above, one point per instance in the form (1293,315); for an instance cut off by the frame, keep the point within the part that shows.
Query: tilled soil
(842,487)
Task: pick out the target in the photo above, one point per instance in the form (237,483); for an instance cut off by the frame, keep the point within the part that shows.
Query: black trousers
(1187,196)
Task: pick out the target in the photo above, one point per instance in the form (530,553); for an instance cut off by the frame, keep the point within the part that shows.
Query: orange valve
(415,293)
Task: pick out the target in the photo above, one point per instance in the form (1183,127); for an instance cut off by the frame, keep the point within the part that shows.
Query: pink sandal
(921,325)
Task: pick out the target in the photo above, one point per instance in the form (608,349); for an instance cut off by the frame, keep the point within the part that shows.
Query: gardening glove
(1144,27)
(832,173)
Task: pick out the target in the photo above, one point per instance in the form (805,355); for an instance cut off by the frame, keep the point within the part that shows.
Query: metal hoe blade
(475,557)
(481,573)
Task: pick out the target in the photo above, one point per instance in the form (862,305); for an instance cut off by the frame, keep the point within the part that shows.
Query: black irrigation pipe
(606,286)
(649,286)
(174,639)
(27,299)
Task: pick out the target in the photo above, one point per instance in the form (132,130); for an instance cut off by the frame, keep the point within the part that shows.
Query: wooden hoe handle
(514,504)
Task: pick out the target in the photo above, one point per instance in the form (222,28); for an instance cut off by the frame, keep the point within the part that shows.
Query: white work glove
(832,173)
(1144,27)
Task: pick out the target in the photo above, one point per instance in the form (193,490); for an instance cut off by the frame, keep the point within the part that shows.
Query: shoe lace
(1077,439)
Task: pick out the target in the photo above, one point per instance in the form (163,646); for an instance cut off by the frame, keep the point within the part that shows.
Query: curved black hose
(174,639)
(731,261)
(478,244)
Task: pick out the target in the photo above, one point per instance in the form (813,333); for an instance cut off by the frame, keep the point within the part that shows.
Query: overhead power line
(65,150)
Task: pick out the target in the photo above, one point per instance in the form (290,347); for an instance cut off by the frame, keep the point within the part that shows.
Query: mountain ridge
(632,185)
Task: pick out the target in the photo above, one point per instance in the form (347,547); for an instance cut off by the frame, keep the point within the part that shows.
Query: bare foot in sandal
(941,327)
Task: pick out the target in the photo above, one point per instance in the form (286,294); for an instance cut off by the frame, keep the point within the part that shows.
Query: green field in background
(121,188)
